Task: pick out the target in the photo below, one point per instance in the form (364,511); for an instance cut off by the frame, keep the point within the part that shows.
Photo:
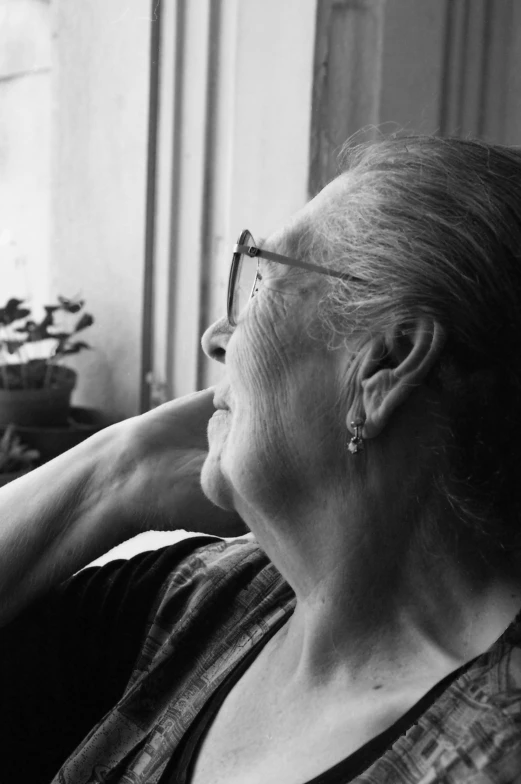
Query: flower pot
(44,406)
(56,439)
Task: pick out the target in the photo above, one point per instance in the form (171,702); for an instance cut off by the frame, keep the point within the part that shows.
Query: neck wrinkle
(362,622)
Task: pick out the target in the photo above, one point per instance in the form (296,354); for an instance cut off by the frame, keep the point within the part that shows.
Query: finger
(199,404)
(190,413)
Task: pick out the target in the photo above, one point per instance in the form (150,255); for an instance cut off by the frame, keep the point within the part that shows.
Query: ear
(393,367)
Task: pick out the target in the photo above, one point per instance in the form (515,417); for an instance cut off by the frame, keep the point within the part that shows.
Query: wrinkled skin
(168,447)
(279,445)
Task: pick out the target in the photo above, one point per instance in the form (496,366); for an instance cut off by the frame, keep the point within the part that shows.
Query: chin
(214,484)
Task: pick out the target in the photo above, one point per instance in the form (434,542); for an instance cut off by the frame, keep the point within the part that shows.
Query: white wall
(25,126)
(101,73)
(237,149)
(265,127)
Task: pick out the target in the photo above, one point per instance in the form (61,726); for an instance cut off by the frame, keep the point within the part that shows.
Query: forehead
(287,239)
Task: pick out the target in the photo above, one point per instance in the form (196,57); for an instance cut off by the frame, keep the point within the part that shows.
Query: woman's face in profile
(282,433)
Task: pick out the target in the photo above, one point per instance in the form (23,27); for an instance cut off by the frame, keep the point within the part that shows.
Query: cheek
(261,359)
(284,432)
(254,441)
(255,365)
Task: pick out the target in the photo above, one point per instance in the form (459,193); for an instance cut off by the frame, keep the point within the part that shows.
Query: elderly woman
(367,431)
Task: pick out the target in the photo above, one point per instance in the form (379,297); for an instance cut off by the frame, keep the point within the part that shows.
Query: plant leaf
(73,348)
(71,305)
(87,320)
(13,345)
(40,331)
(21,313)
(5,443)
(13,305)
(14,454)
(60,335)
(27,327)
(11,312)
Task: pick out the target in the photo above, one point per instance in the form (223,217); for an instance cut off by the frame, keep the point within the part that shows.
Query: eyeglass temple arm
(253,252)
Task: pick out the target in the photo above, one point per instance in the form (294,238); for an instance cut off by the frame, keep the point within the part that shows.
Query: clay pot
(40,407)
(51,441)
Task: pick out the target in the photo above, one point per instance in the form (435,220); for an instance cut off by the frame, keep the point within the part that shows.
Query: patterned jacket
(221,600)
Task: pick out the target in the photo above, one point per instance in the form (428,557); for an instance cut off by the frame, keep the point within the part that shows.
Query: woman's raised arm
(140,474)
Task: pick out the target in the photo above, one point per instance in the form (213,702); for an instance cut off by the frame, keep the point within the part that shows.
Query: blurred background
(138,137)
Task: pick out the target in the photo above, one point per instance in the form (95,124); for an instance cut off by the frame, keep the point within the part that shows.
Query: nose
(215,339)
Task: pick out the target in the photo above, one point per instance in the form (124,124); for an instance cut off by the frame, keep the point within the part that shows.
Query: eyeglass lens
(245,278)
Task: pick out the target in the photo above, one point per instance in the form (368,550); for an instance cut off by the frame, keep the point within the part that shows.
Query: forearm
(56,519)
(140,474)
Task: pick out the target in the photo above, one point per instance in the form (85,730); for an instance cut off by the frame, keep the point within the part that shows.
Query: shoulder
(210,558)
(193,558)
(219,576)
(221,598)
(473,731)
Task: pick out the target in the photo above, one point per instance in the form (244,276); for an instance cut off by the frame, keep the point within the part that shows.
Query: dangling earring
(356,444)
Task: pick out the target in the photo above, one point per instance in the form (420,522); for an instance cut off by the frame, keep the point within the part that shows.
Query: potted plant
(35,388)
(16,458)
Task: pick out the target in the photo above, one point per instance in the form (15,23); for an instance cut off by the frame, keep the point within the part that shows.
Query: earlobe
(393,367)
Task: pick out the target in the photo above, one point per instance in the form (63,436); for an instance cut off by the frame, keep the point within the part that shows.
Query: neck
(373,605)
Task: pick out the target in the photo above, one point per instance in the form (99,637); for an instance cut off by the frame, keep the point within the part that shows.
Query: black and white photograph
(260,391)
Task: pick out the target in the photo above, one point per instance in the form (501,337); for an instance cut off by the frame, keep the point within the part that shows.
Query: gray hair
(432,226)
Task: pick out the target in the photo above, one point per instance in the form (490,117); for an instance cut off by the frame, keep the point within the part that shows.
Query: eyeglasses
(244,276)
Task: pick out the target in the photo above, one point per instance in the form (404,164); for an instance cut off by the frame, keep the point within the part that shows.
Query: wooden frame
(435,66)
(231,148)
